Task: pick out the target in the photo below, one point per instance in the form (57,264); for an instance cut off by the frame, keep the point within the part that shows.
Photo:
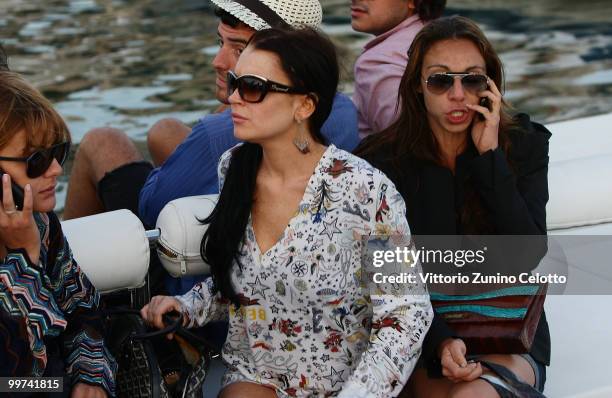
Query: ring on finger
(9,212)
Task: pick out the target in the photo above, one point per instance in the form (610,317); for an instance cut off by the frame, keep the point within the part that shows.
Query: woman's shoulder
(341,160)
(226,157)
(224,163)
(528,142)
(528,131)
(368,184)
(402,168)
(360,175)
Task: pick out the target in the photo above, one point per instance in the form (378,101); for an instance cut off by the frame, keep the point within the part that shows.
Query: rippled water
(127,63)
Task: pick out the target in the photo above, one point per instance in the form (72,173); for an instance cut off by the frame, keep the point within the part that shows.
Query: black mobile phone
(484,101)
(17,194)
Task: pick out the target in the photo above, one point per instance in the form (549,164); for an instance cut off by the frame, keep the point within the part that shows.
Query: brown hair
(22,107)
(411,134)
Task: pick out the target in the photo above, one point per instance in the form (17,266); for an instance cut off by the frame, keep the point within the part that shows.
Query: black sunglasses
(439,83)
(38,162)
(253,88)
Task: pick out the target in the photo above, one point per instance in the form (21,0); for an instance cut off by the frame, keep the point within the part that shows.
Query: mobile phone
(17,194)
(484,101)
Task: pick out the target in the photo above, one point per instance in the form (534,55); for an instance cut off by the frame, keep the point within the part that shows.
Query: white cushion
(181,234)
(581,138)
(111,248)
(580,192)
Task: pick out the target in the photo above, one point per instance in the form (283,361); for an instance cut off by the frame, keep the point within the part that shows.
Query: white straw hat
(262,14)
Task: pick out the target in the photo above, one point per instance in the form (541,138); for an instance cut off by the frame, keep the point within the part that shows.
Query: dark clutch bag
(500,321)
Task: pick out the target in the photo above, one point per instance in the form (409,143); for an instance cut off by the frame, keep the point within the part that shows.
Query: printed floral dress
(307,326)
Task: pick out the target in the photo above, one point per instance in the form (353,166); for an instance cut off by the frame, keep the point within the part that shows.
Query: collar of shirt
(382,37)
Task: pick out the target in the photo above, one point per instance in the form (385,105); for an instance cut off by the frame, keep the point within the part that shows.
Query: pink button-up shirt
(378,72)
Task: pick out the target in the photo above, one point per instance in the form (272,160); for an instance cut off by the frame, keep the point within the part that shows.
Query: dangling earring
(300,141)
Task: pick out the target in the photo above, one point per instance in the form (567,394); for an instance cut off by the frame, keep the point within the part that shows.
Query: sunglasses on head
(253,88)
(439,83)
(38,162)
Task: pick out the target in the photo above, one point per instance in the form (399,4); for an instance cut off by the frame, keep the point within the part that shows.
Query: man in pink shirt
(380,67)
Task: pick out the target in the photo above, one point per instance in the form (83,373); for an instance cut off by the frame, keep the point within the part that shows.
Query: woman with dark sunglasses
(284,240)
(49,320)
(464,165)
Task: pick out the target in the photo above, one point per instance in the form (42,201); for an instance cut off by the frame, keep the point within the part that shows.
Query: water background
(128,63)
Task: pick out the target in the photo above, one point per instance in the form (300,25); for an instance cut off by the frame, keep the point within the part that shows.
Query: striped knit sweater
(48,308)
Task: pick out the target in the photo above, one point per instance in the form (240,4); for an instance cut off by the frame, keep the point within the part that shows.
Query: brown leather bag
(500,321)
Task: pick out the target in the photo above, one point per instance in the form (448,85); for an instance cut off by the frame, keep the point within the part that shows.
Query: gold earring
(301,140)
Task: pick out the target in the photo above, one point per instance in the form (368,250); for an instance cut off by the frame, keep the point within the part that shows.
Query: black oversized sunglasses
(439,83)
(253,88)
(38,162)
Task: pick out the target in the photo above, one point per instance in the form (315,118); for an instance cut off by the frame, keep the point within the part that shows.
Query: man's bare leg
(164,137)
(100,151)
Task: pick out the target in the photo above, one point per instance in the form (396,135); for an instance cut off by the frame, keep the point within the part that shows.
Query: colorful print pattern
(308,327)
(53,298)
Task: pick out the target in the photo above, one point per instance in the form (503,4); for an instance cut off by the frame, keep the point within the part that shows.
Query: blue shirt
(192,168)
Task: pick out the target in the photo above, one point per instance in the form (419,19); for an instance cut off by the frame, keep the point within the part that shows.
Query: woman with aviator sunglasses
(464,165)
(49,320)
(284,239)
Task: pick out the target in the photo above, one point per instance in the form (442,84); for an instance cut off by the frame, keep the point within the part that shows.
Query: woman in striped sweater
(49,319)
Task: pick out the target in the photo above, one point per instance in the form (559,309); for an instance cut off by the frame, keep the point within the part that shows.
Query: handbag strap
(521,389)
(175,325)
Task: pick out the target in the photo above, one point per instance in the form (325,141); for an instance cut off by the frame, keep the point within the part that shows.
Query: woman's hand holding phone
(485,127)
(17,227)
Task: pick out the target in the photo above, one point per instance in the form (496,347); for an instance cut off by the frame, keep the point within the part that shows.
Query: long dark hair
(410,135)
(309,59)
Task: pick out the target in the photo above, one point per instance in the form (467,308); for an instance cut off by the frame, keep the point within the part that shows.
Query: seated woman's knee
(477,388)
(247,390)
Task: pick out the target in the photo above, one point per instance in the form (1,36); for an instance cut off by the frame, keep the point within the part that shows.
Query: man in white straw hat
(109,172)
(263,14)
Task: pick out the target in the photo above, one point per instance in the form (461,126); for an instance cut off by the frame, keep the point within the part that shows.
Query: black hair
(429,9)
(3,60)
(228,18)
(309,59)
